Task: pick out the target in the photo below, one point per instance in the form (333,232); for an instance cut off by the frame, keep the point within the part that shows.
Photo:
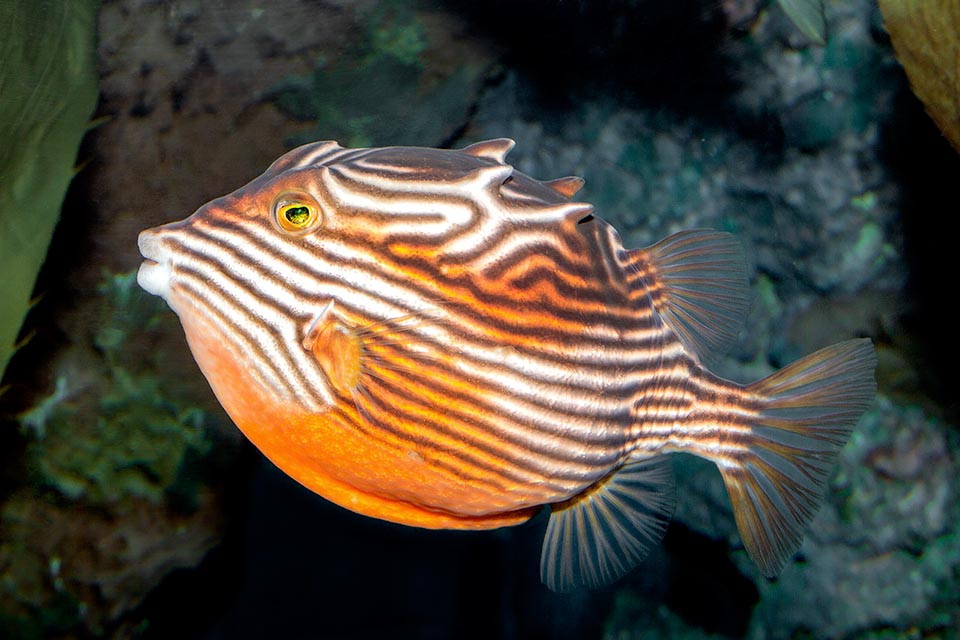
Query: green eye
(296,213)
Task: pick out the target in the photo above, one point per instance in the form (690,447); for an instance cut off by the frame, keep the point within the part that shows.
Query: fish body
(433,338)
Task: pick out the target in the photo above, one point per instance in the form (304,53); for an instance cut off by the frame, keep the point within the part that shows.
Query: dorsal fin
(697,280)
(496,149)
(599,535)
(567,187)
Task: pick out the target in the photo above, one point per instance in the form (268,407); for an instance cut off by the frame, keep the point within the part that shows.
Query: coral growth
(389,88)
(131,437)
(115,454)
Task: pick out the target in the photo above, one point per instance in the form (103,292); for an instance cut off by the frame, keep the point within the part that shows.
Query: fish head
(248,274)
(274,281)
(183,258)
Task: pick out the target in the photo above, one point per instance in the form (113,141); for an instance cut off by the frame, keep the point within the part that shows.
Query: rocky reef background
(132,508)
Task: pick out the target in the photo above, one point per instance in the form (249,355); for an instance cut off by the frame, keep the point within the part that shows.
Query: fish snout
(155,271)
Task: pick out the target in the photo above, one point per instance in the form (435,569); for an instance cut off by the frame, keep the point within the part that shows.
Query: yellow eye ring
(296,213)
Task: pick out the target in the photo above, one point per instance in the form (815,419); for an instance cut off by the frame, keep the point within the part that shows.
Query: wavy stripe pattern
(504,329)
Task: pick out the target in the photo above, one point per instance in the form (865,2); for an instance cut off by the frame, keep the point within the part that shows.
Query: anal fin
(599,535)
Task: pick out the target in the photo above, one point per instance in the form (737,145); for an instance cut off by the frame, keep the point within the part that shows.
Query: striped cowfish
(433,338)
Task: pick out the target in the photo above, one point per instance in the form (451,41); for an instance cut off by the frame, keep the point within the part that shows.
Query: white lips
(154,274)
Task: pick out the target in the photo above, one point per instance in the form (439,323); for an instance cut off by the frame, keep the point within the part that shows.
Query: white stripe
(363,290)
(205,302)
(414,215)
(567,409)
(322,153)
(546,392)
(254,318)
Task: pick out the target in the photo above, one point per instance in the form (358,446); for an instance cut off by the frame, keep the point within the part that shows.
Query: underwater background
(133,508)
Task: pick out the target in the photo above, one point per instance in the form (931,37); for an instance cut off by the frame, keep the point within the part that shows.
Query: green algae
(57,616)
(819,119)
(386,90)
(134,449)
(121,435)
(394,32)
(865,202)
(48,84)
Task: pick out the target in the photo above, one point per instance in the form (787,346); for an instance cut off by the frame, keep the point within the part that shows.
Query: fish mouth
(155,272)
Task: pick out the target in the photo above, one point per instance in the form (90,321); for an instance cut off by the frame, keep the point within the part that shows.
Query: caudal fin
(806,411)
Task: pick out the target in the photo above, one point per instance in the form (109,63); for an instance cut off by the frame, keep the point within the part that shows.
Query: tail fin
(806,412)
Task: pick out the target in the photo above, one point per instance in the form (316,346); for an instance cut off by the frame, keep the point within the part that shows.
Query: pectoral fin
(337,347)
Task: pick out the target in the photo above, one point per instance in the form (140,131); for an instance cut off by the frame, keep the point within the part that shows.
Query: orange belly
(366,475)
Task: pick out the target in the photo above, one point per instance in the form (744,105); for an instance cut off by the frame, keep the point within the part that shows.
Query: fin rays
(598,536)
(700,288)
(808,410)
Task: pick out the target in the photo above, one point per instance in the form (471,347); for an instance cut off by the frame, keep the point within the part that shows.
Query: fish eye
(296,213)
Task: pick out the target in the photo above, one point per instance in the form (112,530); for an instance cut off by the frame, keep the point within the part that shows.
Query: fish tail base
(803,415)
